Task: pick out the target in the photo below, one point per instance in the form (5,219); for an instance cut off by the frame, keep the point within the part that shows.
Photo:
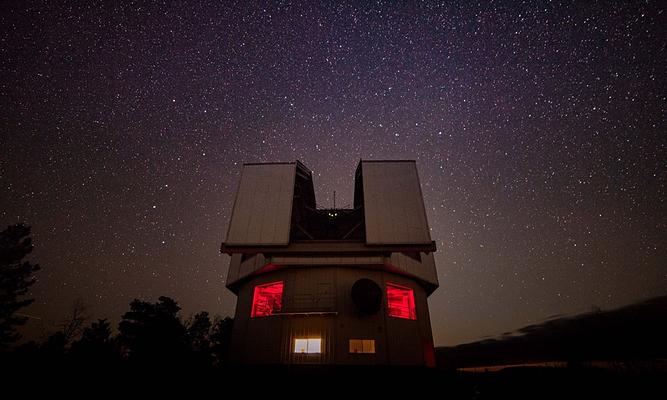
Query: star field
(538,130)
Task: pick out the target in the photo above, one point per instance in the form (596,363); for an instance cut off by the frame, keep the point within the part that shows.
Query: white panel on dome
(393,203)
(263,207)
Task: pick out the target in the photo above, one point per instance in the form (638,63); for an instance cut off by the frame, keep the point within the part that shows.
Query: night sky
(538,129)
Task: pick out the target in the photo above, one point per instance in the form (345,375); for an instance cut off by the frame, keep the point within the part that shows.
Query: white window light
(308,346)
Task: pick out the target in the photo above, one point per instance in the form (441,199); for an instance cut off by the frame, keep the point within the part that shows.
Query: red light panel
(267,299)
(401,302)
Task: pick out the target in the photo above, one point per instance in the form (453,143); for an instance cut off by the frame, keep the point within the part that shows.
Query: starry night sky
(538,130)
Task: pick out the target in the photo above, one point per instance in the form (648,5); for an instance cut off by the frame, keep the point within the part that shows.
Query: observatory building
(341,286)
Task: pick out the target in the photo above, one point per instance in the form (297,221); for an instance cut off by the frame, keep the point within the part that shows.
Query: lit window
(401,302)
(362,346)
(308,346)
(267,299)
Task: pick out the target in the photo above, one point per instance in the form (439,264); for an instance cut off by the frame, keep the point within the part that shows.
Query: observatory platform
(331,286)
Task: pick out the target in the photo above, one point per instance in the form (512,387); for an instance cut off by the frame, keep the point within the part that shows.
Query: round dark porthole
(367,296)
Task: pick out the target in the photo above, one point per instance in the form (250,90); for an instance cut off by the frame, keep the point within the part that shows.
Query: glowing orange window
(401,302)
(267,299)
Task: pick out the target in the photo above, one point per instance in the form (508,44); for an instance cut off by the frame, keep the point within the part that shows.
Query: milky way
(538,130)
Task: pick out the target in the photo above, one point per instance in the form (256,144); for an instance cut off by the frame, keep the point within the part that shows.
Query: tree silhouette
(152,333)
(199,330)
(16,277)
(98,332)
(96,346)
(52,351)
(72,324)
(221,337)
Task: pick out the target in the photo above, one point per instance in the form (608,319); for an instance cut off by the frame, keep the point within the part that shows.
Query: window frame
(412,306)
(365,343)
(308,341)
(255,303)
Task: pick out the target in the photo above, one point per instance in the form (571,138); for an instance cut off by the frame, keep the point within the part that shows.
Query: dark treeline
(148,335)
(631,334)
(153,347)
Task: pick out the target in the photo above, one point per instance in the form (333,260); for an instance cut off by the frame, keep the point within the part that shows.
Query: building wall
(423,269)
(327,290)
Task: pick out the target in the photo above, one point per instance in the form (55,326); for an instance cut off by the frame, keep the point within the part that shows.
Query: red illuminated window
(267,299)
(401,302)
